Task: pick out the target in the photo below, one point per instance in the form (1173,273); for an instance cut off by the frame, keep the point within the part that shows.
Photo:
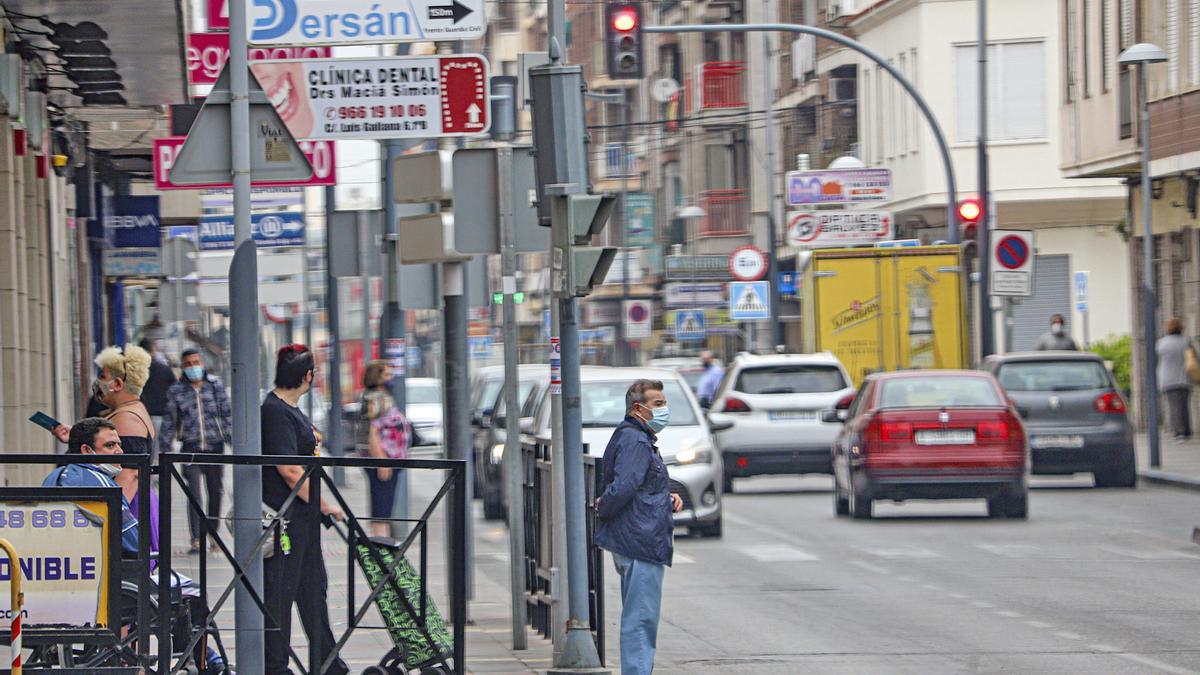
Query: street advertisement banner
(697,267)
(698,294)
(639,219)
(132,262)
(268,229)
(340,22)
(833,229)
(376,98)
(134,222)
(64,549)
(320,155)
(208,52)
(838,186)
(218,14)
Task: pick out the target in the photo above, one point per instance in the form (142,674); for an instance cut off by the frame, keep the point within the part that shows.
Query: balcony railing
(619,161)
(727,213)
(722,85)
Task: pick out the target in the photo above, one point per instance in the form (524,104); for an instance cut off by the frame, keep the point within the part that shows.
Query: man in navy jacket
(635,523)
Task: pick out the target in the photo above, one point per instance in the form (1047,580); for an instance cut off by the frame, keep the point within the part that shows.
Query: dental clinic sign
(341,22)
(134,223)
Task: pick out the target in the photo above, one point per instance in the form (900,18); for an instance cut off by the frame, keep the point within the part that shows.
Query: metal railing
(726,213)
(722,85)
(422,623)
(541,570)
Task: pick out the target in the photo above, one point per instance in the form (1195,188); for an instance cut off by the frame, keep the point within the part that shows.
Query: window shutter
(1126,24)
(1107,58)
(1173,45)
(966,94)
(1194,41)
(1023,100)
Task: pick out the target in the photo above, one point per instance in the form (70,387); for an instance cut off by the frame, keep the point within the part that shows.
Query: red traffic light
(970,210)
(625,19)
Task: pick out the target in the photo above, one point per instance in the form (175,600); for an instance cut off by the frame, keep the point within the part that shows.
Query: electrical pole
(333,324)
(244,356)
(772,195)
(626,343)
(987,320)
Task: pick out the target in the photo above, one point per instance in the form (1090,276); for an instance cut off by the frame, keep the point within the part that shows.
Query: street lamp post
(1141,55)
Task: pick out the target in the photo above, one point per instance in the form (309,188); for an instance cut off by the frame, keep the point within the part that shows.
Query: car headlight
(498,453)
(696,453)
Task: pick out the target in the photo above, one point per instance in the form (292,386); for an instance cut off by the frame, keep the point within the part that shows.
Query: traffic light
(585,266)
(970,212)
(623,40)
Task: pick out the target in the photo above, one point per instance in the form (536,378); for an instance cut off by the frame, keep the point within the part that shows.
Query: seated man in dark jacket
(635,523)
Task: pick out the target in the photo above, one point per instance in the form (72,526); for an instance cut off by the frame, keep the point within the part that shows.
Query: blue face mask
(194,373)
(660,418)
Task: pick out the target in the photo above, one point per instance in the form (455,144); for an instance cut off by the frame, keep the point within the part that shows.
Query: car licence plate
(945,437)
(1056,441)
(793,415)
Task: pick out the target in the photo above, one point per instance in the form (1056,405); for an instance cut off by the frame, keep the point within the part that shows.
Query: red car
(932,434)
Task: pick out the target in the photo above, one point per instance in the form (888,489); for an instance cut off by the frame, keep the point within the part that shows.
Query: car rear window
(790,379)
(422,393)
(939,392)
(603,403)
(1053,376)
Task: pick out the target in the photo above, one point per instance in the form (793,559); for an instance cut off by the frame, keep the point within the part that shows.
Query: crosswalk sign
(689,325)
(749,301)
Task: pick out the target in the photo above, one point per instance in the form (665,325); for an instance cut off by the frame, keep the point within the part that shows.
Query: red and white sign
(639,315)
(1012,262)
(218,14)
(375,98)
(747,263)
(319,153)
(208,52)
(828,229)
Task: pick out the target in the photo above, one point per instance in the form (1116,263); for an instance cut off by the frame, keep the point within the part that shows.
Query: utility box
(883,309)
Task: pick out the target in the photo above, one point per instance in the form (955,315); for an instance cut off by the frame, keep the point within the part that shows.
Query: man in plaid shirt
(199,415)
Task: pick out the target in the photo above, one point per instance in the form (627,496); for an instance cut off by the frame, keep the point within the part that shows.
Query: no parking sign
(1012,262)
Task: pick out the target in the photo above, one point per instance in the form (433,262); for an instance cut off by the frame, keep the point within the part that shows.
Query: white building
(1077,221)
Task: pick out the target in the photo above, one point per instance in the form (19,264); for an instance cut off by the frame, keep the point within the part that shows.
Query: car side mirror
(718,422)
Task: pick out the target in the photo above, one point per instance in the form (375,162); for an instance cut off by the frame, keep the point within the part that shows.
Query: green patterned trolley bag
(419,644)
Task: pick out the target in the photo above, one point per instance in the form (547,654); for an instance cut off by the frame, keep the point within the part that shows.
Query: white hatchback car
(775,404)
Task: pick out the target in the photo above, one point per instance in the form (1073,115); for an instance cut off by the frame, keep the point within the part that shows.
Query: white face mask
(1056,328)
(110,470)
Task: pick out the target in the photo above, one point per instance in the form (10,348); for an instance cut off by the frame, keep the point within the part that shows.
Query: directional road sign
(380,97)
(689,325)
(1012,262)
(343,22)
(205,157)
(749,301)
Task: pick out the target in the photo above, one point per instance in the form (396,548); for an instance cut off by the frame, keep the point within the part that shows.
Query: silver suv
(775,404)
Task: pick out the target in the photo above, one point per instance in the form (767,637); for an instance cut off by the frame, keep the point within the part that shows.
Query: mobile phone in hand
(45,421)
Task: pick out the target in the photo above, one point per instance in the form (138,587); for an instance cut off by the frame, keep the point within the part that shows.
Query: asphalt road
(1096,581)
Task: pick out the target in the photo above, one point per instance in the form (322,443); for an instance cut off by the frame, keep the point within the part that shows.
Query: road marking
(1150,554)
(1100,647)
(778,553)
(982,605)
(958,596)
(1038,624)
(1155,664)
(681,559)
(931,587)
(1010,550)
(862,564)
(1067,635)
(900,552)
(1009,614)
(764,529)
(906,579)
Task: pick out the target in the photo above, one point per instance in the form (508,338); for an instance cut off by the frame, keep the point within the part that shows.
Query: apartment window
(1068,51)
(1194,42)
(905,105)
(866,106)
(917,119)
(880,74)
(1173,45)
(1107,60)
(1016,91)
(1125,27)
(1087,47)
(890,133)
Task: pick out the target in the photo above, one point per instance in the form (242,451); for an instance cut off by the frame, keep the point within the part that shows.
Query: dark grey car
(1076,418)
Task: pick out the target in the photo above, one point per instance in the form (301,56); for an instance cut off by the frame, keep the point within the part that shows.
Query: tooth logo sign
(280,17)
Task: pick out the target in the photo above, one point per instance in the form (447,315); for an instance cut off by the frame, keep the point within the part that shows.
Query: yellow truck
(881,309)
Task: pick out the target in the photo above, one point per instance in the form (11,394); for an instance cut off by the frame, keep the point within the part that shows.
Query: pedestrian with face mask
(198,414)
(96,436)
(1057,340)
(635,523)
(118,390)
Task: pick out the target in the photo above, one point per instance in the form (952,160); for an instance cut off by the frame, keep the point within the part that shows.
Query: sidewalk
(1180,462)
(489,635)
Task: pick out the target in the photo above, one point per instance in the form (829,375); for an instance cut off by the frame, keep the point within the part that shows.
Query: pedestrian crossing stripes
(778,553)
(749,301)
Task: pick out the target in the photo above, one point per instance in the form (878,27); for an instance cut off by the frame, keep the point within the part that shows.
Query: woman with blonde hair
(118,387)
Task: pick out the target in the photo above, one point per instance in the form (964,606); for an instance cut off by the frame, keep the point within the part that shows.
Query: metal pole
(626,355)
(1149,302)
(512,406)
(364,255)
(392,325)
(333,324)
(456,434)
(244,328)
(558,530)
(926,111)
(987,317)
(772,195)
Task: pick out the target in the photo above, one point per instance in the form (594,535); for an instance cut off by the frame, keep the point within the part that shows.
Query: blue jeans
(641,599)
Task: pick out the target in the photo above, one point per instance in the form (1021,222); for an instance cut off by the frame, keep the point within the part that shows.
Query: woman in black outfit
(287,574)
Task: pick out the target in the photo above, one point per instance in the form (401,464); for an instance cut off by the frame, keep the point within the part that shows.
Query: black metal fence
(540,565)
(397,589)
